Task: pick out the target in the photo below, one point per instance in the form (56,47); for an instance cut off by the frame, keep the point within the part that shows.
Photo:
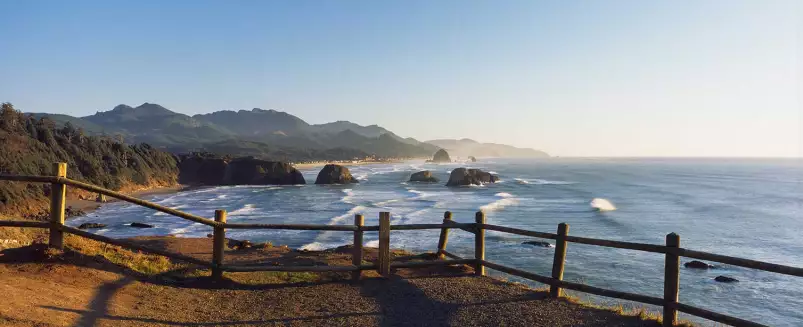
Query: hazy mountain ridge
(469,147)
(258,132)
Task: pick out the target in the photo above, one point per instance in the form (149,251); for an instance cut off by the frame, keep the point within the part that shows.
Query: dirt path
(89,291)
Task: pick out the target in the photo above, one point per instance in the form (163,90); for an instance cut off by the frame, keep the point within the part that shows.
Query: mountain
(268,134)
(469,147)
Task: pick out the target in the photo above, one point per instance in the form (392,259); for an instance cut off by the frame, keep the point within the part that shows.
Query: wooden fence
(671,249)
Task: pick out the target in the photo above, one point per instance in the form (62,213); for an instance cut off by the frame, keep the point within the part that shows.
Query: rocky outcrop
(141,225)
(463,176)
(250,171)
(423,176)
(205,170)
(538,243)
(335,174)
(726,279)
(91,225)
(697,265)
(472,158)
(441,156)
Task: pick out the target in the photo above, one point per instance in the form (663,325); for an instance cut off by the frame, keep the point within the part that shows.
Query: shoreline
(88,206)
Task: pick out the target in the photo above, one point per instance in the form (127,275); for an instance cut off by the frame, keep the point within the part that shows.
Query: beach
(88,206)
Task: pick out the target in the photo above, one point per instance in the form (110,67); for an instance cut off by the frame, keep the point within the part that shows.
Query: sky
(573,78)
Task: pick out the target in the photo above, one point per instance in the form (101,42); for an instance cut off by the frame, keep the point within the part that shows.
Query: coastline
(346,164)
(88,206)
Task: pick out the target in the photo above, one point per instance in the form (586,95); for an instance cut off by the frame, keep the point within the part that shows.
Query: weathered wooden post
(356,257)
(447,218)
(671,280)
(559,262)
(479,244)
(384,243)
(218,244)
(58,192)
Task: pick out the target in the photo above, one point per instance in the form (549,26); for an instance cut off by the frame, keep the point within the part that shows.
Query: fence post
(384,243)
(559,261)
(218,245)
(447,218)
(58,193)
(671,280)
(479,244)
(356,257)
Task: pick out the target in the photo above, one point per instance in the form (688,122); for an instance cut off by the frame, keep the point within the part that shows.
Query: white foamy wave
(521,181)
(600,204)
(350,213)
(348,196)
(504,195)
(245,210)
(499,204)
(493,173)
(361,177)
(314,246)
(372,244)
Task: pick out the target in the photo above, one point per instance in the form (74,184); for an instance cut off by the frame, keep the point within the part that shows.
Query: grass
(142,263)
(273,277)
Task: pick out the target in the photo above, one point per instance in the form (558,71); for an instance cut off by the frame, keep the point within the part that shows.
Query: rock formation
(423,176)
(697,265)
(441,156)
(463,176)
(334,174)
(240,171)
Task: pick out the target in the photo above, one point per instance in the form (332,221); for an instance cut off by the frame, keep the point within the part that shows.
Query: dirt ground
(74,289)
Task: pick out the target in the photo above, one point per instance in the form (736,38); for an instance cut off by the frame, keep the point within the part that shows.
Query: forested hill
(30,146)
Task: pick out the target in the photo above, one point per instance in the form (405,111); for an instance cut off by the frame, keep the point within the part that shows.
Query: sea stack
(441,156)
(463,177)
(423,176)
(335,174)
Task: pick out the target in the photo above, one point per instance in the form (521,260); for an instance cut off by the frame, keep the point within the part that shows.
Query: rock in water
(423,176)
(697,265)
(726,279)
(441,156)
(538,243)
(91,225)
(335,174)
(472,158)
(141,225)
(463,176)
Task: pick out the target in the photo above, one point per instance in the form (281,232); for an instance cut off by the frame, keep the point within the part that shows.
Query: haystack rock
(463,176)
(441,156)
(335,174)
(423,176)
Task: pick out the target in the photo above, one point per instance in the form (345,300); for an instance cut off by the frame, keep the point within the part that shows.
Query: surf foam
(600,204)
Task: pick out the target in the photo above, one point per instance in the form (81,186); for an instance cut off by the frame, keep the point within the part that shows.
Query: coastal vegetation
(31,145)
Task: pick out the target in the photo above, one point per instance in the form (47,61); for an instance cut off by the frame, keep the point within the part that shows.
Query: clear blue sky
(574,78)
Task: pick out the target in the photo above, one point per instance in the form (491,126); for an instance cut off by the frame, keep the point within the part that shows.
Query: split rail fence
(671,250)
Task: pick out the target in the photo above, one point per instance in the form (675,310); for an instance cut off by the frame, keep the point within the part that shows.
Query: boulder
(441,156)
(538,243)
(335,174)
(423,176)
(463,176)
(726,279)
(91,225)
(141,225)
(472,158)
(697,265)
(209,170)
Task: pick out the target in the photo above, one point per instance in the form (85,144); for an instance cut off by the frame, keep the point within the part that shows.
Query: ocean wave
(372,244)
(347,198)
(538,181)
(600,204)
(353,211)
(245,210)
(504,195)
(499,204)
(314,246)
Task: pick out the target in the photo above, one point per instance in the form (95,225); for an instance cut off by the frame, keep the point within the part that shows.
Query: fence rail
(384,264)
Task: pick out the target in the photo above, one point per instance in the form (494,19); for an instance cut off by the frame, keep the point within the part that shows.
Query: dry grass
(142,263)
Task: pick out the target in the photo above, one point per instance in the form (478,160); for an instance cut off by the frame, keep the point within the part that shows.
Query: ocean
(749,208)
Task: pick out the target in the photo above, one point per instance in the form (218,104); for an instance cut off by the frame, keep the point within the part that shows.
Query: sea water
(747,208)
